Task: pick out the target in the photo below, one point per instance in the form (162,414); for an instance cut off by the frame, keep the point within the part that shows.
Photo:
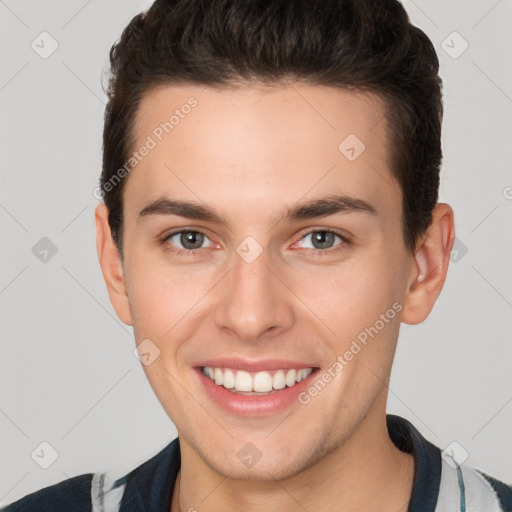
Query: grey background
(68,374)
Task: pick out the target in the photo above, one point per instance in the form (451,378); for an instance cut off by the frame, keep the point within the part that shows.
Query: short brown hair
(351,44)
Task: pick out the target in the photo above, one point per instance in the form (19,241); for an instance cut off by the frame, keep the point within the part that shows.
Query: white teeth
(290,378)
(243,381)
(301,375)
(279,380)
(229,379)
(260,382)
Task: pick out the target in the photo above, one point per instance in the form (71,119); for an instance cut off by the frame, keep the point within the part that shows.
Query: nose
(254,301)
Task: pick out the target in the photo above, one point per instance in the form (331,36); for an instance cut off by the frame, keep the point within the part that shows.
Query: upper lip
(251,365)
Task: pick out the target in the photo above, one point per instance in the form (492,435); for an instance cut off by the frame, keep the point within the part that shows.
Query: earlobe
(111,265)
(430,267)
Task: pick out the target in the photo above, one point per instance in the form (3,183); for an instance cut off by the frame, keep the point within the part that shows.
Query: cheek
(162,299)
(359,307)
(346,297)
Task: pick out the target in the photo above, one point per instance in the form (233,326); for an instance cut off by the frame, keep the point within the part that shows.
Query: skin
(251,153)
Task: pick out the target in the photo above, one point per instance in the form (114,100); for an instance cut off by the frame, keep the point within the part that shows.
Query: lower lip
(253,405)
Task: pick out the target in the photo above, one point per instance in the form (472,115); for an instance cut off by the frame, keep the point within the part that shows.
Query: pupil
(323,239)
(191,240)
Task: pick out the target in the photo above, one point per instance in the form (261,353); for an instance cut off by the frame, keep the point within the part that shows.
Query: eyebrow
(323,207)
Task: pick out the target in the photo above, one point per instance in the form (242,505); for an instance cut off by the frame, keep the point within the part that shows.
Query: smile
(263,382)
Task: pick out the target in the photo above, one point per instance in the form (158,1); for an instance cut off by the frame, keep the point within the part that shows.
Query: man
(270,217)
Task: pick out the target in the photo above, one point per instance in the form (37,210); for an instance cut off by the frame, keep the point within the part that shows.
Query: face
(263,247)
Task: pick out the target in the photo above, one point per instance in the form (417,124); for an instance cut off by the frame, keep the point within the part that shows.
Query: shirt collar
(427,463)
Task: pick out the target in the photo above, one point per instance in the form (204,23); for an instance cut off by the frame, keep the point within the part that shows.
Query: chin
(274,461)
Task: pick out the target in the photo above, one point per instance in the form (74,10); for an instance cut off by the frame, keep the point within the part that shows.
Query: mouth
(242,390)
(261,383)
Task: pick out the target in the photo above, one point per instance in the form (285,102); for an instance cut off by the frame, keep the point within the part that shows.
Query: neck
(367,472)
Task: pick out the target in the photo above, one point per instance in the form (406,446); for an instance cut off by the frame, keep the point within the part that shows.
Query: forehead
(260,145)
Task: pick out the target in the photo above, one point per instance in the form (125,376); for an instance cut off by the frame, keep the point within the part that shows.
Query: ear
(111,265)
(431,260)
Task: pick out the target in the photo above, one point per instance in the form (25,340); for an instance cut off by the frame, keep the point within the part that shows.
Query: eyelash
(197,252)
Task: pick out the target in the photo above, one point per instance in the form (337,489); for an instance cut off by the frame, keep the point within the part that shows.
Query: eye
(323,239)
(189,239)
